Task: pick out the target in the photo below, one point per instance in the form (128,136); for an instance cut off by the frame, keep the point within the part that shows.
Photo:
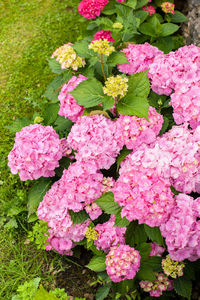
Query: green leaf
(36,194)
(121,222)
(168,29)
(141,15)
(165,125)
(105,23)
(78,217)
(64,163)
(12,223)
(138,85)
(135,234)
(154,234)
(107,204)
(148,29)
(141,3)
(89,93)
(102,292)
(130,3)
(54,87)
(51,113)
(81,48)
(18,124)
(144,249)
(130,105)
(146,273)
(107,102)
(122,155)
(183,287)
(178,17)
(33,218)
(164,44)
(55,66)
(117,58)
(63,125)
(97,264)
(42,294)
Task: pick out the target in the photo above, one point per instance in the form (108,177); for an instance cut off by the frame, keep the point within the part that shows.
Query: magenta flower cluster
(90,9)
(103,35)
(36,152)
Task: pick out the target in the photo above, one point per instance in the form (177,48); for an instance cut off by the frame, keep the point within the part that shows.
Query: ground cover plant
(117,153)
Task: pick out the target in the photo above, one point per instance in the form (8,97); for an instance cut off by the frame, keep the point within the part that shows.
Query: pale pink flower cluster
(90,9)
(140,189)
(140,57)
(69,108)
(109,235)
(175,69)
(150,9)
(135,131)
(122,262)
(103,35)
(158,286)
(156,250)
(182,230)
(95,139)
(36,152)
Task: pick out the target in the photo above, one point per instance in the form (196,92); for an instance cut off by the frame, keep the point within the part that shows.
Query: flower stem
(101,58)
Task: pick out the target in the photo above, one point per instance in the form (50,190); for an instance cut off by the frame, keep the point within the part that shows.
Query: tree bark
(192,29)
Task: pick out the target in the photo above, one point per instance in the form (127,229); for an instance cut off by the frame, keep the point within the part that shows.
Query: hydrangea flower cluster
(140,189)
(122,262)
(182,230)
(103,35)
(91,234)
(135,131)
(101,47)
(90,9)
(95,139)
(36,152)
(109,235)
(68,58)
(140,57)
(116,86)
(172,268)
(69,108)
(168,7)
(150,9)
(156,250)
(158,286)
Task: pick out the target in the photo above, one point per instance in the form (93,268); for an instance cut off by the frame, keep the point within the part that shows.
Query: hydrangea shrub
(120,140)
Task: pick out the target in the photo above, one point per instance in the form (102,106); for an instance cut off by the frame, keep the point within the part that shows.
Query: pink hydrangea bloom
(109,235)
(150,9)
(168,71)
(103,35)
(95,139)
(69,108)
(80,184)
(158,286)
(140,57)
(140,189)
(182,230)
(36,152)
(93,210)
(134,131)
(186,104)
(90,9)
(156,250)
(122,262)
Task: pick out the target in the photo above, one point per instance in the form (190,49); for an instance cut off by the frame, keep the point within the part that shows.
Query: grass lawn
(30,31)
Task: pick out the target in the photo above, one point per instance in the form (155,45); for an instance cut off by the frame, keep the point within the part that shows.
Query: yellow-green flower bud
(116,86)
(38,119)
(117,25)
(102,47)
(91,234)
(172,268)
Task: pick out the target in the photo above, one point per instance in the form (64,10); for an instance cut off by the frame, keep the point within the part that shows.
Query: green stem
(101,58)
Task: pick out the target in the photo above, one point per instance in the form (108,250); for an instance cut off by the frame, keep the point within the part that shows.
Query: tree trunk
(192,29)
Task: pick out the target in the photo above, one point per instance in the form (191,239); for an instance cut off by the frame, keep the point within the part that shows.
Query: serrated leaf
(144,250)
(141,3)
(168,29)
(18,124)
(138,85)
(81,48)
(122,155)
(164,44)
(89,93)
(130,3)
(141,15)
(146,273)
(12,223)
(36,194)
(135,234)
(154,234)
(78,217)
(51,113)
(55,66)
(42,294)
(62,125)
(107,204)
(183,287)
(117,58)
(102,292)
(178,17)
(107,102)
(97,264)
(121,222)
(165,125)
(133,106)
(105,22)
(148,29)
